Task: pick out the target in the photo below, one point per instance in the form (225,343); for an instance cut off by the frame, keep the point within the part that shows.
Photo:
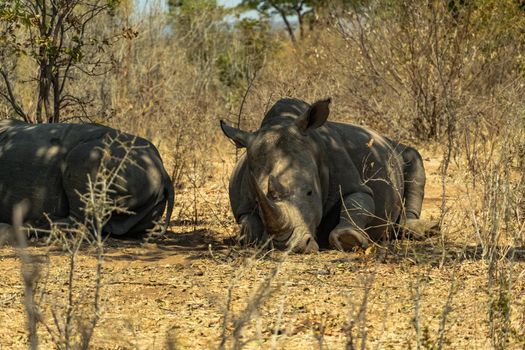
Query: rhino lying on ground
(305,182)
(47,167)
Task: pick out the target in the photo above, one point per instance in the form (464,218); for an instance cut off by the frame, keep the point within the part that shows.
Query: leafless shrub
(416,321)
(426,57)
(494,189)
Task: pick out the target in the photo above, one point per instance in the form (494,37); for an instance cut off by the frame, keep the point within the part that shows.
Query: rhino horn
(272,215)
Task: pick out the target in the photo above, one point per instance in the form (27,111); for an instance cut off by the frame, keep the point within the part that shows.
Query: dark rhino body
(48,165)
(336,183)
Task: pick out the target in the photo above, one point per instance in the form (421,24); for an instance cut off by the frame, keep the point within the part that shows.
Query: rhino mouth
(281,240)
(297,240)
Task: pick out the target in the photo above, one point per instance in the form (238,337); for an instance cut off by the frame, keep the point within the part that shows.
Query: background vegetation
(445,75)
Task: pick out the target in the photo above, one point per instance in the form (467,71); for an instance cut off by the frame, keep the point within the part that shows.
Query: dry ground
(176,288)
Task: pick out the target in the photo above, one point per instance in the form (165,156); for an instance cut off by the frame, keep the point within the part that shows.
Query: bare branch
(10,97)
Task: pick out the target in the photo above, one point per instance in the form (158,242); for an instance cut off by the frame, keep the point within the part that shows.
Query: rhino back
(31,164)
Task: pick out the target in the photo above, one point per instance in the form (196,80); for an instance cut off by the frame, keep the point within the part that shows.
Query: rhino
(48,167)
(305,182)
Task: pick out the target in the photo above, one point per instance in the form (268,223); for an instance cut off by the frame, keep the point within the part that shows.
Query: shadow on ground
(192,241)
(192,244)
(195,244)
(429,252)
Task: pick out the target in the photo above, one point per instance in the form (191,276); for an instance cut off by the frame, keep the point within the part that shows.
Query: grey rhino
(47,167)
(305,182)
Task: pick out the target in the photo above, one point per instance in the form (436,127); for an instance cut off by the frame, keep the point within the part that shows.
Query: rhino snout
(306,244)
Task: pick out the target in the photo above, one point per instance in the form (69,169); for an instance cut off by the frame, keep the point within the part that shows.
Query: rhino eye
(309,193)
(273,195)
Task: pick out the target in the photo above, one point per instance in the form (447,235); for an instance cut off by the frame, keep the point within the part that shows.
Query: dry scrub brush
(494,176)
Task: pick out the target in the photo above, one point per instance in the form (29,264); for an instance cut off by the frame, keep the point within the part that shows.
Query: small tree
(284,8)
(300,9)
(55,36)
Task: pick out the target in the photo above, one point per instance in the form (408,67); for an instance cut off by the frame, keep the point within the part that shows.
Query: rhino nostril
(311,245)
(307,242)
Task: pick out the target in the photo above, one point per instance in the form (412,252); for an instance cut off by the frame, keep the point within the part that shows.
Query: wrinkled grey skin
(305,182)
(47,167)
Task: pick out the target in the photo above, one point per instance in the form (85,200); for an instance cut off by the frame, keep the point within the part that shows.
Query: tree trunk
(289,28)
(300,20)
(42,110)
(56,97)
(285,20)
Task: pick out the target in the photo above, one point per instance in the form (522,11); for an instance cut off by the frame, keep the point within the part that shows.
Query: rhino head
(286,174)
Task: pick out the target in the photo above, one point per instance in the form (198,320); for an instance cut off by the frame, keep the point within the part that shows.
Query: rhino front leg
(251,230)
(357,210)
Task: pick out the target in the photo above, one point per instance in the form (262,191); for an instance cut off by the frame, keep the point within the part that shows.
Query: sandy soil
(179,289)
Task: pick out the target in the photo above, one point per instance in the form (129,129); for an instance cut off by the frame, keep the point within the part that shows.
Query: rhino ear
(315,116)
(241,138)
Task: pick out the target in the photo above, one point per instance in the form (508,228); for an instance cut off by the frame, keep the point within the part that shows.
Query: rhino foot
(418,229)
(348,239)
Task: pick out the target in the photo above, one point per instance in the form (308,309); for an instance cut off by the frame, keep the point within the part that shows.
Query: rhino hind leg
(414,183)
(412,227)
(133,225)
(6,233)
(85,160)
